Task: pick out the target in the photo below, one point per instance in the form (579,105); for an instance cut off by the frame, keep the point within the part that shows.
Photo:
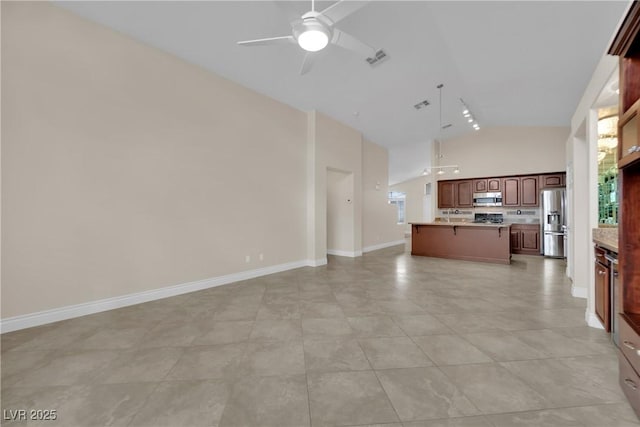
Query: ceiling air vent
(420,105)
(380,56)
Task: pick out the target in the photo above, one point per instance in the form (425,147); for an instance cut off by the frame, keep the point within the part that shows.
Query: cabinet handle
(600,272)
(629,345)
(632,149)
(630,384)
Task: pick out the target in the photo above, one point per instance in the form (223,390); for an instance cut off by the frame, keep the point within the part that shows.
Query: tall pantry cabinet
(626,45)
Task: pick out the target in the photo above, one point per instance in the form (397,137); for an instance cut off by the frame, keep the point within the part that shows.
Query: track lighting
(469,116)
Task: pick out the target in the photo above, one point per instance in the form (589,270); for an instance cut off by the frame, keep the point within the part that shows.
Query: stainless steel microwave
(487,199)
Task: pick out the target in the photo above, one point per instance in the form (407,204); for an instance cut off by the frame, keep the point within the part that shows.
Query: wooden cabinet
(486,185)
(525,239)
(552,180)
(626,45)
(464,194)
(480,186)
(517,191)
(520,191)
(493,184)
(516,240)
(511,191)
(446,194)
(455,194)
(529,191)
(629,134)
(602,289)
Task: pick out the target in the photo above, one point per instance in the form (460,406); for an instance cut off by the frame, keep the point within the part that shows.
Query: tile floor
(385,339)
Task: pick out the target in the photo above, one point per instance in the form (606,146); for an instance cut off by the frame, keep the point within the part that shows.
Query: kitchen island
(462,240)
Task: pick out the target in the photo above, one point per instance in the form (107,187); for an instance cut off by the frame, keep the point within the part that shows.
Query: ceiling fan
(314,30)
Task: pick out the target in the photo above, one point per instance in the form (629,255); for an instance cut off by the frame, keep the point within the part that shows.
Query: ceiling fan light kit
(311,34)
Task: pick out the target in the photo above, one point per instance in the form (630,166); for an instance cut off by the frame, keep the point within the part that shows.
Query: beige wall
(506,151)
(379,222)
(125,169)
(332,146)
(417,203)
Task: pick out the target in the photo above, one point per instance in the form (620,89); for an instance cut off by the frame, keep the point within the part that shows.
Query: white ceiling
(515,63)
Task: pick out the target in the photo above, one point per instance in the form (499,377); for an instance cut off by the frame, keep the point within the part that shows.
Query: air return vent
(420,105)
(380,56)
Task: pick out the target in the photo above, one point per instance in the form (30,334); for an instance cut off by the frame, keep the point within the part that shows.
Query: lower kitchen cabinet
(525,239)
(602,289)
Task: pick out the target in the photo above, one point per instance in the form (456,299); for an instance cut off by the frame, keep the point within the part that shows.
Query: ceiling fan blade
(307,63)
(288,10)
(268,41)
(341,9)
(347,41)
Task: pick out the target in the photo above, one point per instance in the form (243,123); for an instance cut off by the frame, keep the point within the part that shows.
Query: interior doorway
(340,213)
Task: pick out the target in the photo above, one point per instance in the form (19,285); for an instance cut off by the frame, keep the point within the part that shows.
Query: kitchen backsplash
(526,215)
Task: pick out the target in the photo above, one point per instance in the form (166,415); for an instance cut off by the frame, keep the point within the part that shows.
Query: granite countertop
(606,238)
(460,223)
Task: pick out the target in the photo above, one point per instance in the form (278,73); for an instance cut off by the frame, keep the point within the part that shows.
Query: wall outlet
(261,256)
(247,258)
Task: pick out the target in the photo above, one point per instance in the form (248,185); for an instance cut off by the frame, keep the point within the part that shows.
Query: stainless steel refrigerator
(553,223)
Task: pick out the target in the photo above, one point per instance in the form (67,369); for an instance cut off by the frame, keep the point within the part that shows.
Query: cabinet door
(446,194)
(480,186)
(551,180)
(464,194)
(493,184)
(629,133)
(529,191)
(511,191)
(602,294)
(515,240)
(531,239)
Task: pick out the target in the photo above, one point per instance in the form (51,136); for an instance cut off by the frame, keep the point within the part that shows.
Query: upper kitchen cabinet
(520,191)
(511,191)
(552,180)
(529,191)
(464,194)
(626,45)
(446,194)
(455,194)
(486,185)
(480,186)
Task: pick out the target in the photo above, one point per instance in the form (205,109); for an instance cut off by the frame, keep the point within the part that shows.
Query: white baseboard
(338,252)
(68,312)
(579,291)
(383,246)
(592,320)
(317,262)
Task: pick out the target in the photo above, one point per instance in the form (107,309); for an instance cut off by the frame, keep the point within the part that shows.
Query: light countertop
(460,224)
(606,238)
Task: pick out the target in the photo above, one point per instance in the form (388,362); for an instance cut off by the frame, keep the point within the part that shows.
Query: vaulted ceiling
(515,63)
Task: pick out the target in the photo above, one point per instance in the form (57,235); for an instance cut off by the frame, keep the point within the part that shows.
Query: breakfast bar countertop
(461,224)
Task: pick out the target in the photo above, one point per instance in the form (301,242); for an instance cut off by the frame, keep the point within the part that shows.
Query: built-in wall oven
(487,199)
